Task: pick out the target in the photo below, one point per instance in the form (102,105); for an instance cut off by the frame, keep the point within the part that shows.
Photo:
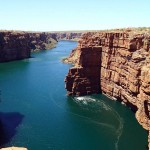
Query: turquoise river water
(37,114)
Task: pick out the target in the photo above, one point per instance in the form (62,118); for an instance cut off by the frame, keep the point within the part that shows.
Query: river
(37,114)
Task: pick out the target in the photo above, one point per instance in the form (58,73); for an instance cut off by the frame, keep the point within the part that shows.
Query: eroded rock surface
(68,35)
(15,45)
(116,64)
(84,79)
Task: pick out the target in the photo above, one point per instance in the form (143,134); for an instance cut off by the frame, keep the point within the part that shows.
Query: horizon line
(88,30)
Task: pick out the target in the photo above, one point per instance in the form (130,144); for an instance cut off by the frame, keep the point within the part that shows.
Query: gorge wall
(15,45)
(116,64)
(75,36)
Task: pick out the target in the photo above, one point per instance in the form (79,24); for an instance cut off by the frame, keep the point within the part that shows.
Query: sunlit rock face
(84,79)
(116,64)
(68,35)
(15,45)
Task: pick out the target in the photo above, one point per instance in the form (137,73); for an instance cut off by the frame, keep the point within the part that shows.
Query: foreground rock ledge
(116,64)
(14,148)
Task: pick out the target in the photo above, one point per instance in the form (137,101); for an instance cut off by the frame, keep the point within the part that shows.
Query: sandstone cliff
(75,36)
(116,64)
(15,45)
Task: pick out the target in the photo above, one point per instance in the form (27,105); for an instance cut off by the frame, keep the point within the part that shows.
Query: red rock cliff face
(116,64)
(84,79)
(18,45)
(68,35)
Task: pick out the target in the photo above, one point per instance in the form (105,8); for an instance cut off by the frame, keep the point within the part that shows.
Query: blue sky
(60,15)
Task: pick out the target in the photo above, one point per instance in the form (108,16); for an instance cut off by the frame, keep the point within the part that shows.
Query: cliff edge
(72,35)
(116,64)
(16,45)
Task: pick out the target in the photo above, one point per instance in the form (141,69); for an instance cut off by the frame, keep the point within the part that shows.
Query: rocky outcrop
(116,64)
(14,148)
(85,78)
(68,35)
(15,45)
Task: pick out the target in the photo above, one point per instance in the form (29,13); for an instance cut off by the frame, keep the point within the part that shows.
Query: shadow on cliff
(8,125)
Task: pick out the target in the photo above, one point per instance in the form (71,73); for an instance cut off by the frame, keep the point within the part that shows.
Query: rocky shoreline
(16,45)
(116,64)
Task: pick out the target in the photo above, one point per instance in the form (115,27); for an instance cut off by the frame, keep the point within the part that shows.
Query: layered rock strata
(84,79)
(15,45)
(116,64)
(75,36)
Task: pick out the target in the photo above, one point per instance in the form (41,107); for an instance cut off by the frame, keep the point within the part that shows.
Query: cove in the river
(40,116)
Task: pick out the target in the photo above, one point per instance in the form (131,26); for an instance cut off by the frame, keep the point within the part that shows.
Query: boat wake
(100,106)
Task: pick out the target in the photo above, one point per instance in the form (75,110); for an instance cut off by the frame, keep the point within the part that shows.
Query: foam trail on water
(32,59)
(81,116)
(119,132)
(96,122)
(87,100)
(102,104)
(120,128)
